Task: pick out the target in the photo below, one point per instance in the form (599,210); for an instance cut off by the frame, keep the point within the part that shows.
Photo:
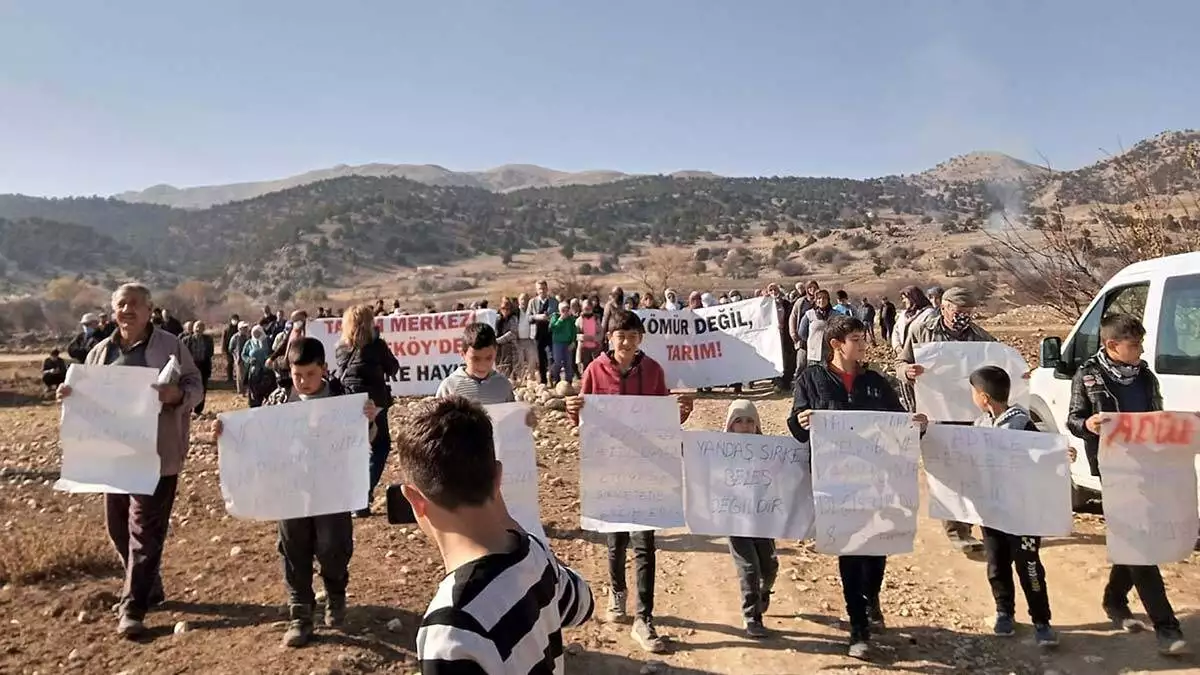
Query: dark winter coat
(1093,392)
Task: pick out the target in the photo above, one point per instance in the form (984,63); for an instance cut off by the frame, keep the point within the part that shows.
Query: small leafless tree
(660,268)
(1062,263)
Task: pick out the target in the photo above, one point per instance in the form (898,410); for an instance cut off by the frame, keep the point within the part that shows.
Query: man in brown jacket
(137,524)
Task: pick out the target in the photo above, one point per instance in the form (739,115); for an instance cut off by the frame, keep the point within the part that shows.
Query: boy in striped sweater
(505,599)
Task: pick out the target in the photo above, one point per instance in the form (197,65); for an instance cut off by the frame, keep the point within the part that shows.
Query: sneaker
(616,607)
(300,628)
(966,543)
(130,627)
(1171,643)
(647,638)
(335,611)
(755,628)
(1003,626)
(1122,619)
(875,616)
(860,647)
(1044,636)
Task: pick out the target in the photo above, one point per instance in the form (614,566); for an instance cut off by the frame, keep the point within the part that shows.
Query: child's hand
(922,421)
(574,405)
(804,418)
(370,410)
(913,371)
(1094,423)
(531,419)
(218,428)
(63,391)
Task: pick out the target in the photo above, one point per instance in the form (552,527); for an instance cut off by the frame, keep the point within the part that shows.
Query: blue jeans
(562,359)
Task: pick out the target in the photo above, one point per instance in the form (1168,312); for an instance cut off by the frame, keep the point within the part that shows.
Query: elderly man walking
(137,524)
(955,323)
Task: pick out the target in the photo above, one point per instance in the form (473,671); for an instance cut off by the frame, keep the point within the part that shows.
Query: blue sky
(98,97)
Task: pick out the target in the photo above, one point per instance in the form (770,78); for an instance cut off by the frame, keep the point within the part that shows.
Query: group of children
(506,597)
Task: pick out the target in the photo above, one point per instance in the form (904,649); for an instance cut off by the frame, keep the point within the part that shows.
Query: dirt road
(223,582)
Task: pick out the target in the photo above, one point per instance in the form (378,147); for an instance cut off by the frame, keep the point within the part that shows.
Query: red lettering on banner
(430,322)
(414,347)
(1157,428)
(701,352)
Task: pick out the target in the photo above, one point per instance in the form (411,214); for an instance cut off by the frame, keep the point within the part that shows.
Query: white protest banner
(295,460)
(718,345)
(746,485)
(943,392)
(426,345)
(109,430)
(1148,474)
(519,480)
(630,471)
(865,490)
(1017,482)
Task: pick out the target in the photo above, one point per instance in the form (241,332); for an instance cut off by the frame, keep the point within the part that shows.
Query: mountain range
(324,229)
(507,178)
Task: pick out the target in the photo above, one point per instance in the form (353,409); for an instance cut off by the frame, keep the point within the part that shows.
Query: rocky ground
(225,613)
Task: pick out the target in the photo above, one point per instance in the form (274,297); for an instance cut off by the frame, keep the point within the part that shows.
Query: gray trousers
(330,540)
(757,567)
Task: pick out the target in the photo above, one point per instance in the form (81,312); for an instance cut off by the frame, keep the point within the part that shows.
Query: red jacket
(644,378)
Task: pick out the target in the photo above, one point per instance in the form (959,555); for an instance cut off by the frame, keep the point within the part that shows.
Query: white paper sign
(865,490)
(295,460)
(943,391)
(109,430)
(718,345)
(630,469)
(519,480)
(426,345)
(746,485)
(1148,473)
(1017,482)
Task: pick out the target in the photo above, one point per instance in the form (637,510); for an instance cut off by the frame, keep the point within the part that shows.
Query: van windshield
(1178,348)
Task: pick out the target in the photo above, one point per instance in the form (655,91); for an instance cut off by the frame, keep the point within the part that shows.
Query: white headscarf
(708,300)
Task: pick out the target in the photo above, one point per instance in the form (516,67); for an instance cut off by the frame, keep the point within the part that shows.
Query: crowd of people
(451,477)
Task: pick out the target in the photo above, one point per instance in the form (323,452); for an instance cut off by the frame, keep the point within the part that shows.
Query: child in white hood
(754,557)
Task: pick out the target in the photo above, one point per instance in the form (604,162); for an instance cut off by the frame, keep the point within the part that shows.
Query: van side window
(1086,341)
(1177,351)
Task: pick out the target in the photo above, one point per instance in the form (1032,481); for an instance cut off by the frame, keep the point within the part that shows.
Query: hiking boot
(755,628)
(860,647)
(335,611)
(1171,643)
(647,637)
(616,607)
(1003,625)
(875,616)
(1044,636)
(300,628)
(1122,619)
(130,627)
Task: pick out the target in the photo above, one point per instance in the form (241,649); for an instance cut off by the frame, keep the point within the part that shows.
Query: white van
(1165,294)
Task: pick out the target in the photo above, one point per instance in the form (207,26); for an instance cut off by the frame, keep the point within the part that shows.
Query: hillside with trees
(320,234)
